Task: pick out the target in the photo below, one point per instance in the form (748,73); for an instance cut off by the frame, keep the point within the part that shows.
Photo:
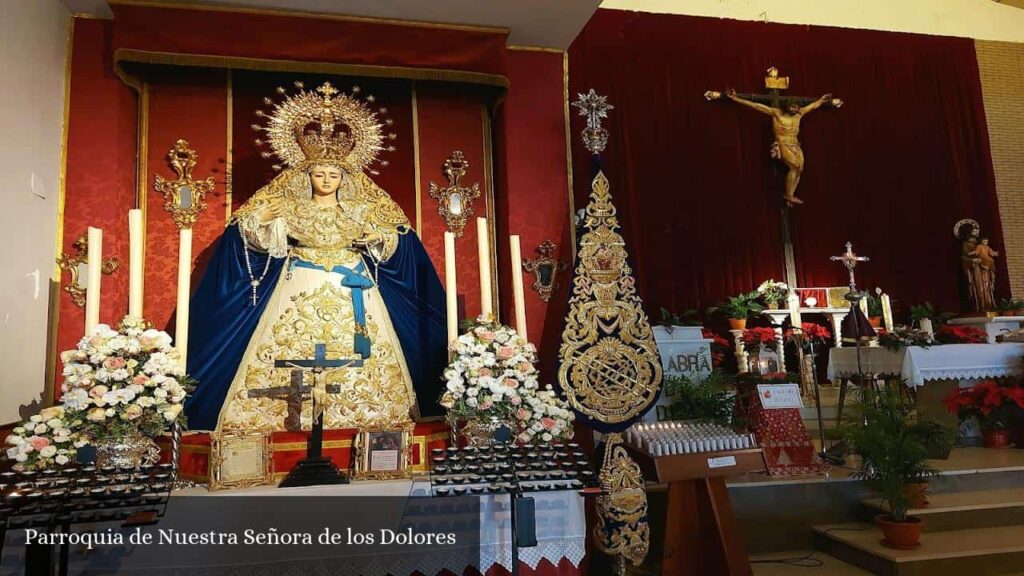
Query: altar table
(941,362)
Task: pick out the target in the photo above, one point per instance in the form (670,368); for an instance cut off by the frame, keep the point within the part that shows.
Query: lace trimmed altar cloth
(917,365)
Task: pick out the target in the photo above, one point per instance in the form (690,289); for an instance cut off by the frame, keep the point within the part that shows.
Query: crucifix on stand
(315,469)
(786,113)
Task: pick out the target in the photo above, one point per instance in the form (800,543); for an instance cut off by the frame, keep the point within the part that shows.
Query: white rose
(160,394)
(40,429)
(36,418)
(62,459)
(145,401)
(21,458)
(19,430)
(172,412)
(48,452)
(13,452)
(110,412)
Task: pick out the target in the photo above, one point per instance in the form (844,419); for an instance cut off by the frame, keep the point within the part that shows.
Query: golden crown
(325,126)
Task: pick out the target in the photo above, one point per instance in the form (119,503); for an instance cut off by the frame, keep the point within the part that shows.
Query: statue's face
(792,108)
(325,180)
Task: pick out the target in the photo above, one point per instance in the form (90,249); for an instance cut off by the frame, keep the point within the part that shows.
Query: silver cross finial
(849,259)
(595,107)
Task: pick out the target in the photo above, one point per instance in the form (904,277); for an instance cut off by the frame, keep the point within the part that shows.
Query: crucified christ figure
(786,126)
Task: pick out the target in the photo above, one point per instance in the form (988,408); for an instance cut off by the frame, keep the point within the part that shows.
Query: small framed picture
(240,459)
(382,453)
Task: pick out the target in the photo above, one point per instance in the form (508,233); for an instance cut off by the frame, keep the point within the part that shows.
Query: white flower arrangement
(773,291)
(493,374)
(117,383)
(44,440)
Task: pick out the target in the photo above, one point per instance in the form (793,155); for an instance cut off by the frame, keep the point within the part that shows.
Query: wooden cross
(849,259)
(315,469)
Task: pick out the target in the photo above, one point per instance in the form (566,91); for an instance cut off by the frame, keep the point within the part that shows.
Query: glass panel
(185,197)
(83,275)
(455,203)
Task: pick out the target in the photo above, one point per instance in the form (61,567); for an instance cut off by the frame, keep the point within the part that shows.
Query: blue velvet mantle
(223,319)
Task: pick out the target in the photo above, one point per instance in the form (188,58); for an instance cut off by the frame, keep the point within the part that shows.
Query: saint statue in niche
(320,254)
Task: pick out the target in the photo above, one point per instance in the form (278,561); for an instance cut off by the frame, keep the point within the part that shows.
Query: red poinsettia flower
(948,334)
(759,337)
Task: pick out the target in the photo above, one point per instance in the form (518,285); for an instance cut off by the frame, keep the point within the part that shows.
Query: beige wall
(33,50)
(982,19)
(1001,65)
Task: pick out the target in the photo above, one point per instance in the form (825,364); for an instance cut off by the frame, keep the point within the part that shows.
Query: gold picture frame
(240,459)
(382,453)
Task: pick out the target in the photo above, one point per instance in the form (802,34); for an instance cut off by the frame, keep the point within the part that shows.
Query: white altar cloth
(561,522)
(917,365)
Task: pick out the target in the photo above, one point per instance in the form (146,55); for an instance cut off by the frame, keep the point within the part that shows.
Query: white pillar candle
(887,312)
(484,249)
(94,272)
(517,286)
(184,286)
(795,318)
(451,288)
(135,243)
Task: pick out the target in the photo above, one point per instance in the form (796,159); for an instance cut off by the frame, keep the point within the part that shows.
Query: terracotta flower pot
(916,493)
(995,438)
(900,535)
(737,323)
(876,321)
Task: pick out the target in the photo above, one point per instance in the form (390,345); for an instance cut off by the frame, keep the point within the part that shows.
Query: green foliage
(739,307)
(922,312)
(686,318)
(707,400)
(893,445)
(1010,304)
(874,305)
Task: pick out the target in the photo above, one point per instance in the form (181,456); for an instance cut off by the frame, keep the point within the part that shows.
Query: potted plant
(1011,307)
(893,447)
(709,399)
(875,311)
(773,292)
(673,326)
(738,308)
(993,405)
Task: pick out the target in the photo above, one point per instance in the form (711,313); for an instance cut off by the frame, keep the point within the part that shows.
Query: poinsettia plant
(493,374)
(773,292)
(949,334)
(719,347)
(993,404)
(809,333)
(757,338)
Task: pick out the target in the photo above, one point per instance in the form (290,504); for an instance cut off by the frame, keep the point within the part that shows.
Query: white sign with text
(774,396)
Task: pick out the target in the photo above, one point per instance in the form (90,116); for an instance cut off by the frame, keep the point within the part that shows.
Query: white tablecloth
(917,365)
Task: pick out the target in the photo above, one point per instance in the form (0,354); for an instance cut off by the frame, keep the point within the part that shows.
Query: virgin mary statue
(321,254)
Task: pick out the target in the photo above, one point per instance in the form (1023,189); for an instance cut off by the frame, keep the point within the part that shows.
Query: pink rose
(484,372)
(38,442)
(548,423)
(515,400)
(114,363)
(523,414)
(505,352)
(524,367)
(486,404)
(511,383)
(98,391)
(141,380)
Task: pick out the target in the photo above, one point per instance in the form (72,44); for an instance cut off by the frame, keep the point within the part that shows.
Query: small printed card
(775,396)
(722,462)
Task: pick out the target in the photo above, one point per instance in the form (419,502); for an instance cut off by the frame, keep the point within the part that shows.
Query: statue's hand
(825,97)
(270,212)
(730,93)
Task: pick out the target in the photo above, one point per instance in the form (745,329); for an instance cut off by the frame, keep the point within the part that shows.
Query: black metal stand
(314,469)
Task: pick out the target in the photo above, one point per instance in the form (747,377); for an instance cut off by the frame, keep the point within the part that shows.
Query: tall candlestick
(92,283)
(484,249)
(451,287)
(184,287)
(517,286)
(135,243)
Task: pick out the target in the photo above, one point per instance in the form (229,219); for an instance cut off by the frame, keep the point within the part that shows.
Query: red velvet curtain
(700,199)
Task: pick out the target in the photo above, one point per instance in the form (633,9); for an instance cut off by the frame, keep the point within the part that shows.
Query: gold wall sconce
(545,270)
(77,268)
(455,201)
(184,197)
